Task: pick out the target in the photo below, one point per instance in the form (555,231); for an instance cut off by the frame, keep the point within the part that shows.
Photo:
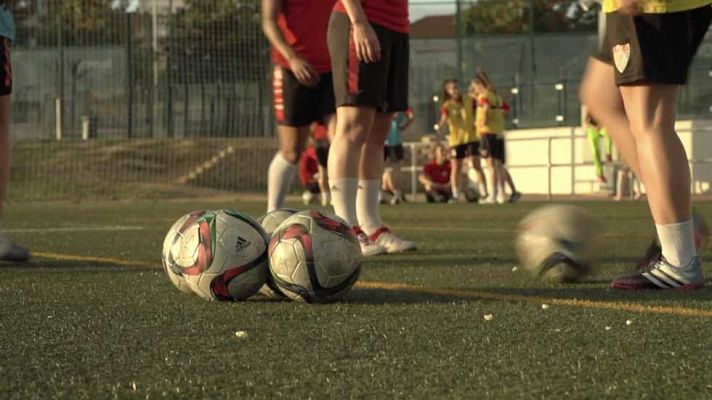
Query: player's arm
(303,71)
(441,124)
(368,48)
(409,117)
(426,181)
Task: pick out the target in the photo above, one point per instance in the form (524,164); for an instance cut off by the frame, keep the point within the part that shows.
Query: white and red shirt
(304,24)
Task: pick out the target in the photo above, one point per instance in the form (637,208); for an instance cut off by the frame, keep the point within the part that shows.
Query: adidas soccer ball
(556,243)
(270,222)
(222,255)
(314,257)
(172,241)
(273,219)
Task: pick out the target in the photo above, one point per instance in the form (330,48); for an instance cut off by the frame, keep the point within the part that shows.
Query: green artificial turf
(92,329)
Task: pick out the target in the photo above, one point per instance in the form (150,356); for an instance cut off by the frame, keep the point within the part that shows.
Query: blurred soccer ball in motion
(221,255)
(557,243)
(314,257)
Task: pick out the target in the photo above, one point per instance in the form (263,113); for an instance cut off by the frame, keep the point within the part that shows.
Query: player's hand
(630,7)
(305,73)
(368,48)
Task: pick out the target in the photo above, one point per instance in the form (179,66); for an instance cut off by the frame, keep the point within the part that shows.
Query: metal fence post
(413,172)
(548,168)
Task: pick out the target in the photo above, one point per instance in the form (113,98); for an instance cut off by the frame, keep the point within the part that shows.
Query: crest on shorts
(621,56)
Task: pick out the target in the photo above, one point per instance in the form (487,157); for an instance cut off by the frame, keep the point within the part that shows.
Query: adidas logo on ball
(242,244)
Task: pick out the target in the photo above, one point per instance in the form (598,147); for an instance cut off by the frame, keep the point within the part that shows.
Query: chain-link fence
(116,98)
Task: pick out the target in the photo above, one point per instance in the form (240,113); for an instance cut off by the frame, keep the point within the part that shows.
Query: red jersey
(308,166)
(303,24)
(392,14)
(438,173)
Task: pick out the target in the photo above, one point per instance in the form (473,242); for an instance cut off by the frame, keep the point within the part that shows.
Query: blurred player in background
(394,154)
(369,46)
(309,175)
(490,121)
(302,83)
(436,177)
(595,133)
(9,251)
(320,134)
(457,113)
(631,86)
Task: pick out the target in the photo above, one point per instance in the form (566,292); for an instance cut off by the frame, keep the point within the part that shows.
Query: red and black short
(299,105)
(393,153)
(5,67)
(383,84)
(493,146)
(653,48)
(466,150)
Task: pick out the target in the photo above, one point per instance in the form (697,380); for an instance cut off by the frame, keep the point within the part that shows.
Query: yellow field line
(418,289)
(100,260)
(478,294)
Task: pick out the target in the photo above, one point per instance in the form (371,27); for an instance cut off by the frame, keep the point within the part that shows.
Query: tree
(512,16)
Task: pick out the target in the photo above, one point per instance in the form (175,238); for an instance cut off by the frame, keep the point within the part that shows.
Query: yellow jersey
(460,119)
(490,121)
(658,6)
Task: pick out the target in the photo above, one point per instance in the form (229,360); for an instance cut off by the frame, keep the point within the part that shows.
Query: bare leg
(603,99)
(663,162)
(481,180)
(353,124)
(492,178)
(455,175)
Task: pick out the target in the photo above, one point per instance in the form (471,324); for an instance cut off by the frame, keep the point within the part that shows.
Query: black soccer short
(393,153)
(493,146)
(5,67)
(466,150)
(653,48)
(299,105)
(383,84)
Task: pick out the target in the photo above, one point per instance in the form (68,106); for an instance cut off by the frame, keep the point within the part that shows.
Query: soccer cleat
(392,243)
(702,234)
(11,252)
(515,197)
(368,247)
(662,275)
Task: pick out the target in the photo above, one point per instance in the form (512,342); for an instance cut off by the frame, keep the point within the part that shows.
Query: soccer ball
(272,219)
(173,238)
(222,255)
(270,222)
(314,257)
(557,243)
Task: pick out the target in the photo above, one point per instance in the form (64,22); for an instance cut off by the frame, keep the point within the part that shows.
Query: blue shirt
(395,135)
(7,23)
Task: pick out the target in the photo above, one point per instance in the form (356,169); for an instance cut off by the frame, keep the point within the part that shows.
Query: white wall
(528,157)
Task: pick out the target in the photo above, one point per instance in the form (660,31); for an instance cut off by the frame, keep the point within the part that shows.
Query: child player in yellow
(458,112)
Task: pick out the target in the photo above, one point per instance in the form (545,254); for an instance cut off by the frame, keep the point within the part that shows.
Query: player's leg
(594,137)
(9,251)
(397,155)
(656,63)
(477,165)
(600,94)
(353,125)
(367,199)
(456,173)
(283,168)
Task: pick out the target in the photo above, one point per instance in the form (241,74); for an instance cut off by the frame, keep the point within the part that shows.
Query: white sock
(678,242)
(343,198)
(279,180)
(368,205)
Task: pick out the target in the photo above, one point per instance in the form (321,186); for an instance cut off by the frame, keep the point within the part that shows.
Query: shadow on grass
(565,292)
